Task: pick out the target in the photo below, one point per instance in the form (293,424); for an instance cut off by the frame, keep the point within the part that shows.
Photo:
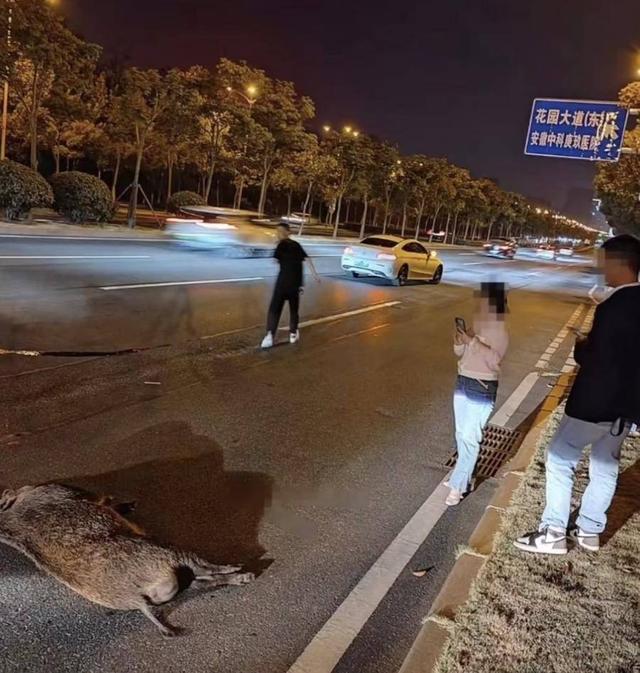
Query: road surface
(305,463)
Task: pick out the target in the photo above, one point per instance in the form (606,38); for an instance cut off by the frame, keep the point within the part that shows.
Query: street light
(249,99)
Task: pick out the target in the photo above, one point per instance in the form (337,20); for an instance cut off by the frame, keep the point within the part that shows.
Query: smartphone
(461,325)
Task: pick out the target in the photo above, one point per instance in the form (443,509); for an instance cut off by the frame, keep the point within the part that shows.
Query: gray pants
(563,455)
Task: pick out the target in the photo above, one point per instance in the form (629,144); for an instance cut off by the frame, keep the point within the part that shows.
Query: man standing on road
(603,404)
(290,255)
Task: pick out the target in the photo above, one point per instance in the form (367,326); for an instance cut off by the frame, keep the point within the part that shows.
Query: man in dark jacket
(290,256)
(603,404)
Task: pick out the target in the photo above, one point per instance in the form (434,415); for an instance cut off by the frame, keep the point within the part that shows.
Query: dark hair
(284,225)
(496,295)
(626,248)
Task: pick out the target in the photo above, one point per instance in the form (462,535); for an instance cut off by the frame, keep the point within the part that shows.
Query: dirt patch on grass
(574,614)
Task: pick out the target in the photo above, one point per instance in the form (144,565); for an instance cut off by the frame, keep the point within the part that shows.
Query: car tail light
(348,251)
(386,256)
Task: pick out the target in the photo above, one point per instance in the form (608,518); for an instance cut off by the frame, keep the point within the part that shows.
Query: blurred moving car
(299,219)
(550,251)
(230,231)
(546,251)
(396,259)
(564,251)
(501,247)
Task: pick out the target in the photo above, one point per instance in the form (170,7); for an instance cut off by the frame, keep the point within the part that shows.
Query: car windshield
(379,242)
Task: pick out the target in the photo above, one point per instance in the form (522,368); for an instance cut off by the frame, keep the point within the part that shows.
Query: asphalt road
(304,462)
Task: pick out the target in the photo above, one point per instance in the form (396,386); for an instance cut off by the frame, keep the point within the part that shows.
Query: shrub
(182,199)
(22,189)
(82,197)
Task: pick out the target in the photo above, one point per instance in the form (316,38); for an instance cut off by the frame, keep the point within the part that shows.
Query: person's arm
(492,352)
(309,261)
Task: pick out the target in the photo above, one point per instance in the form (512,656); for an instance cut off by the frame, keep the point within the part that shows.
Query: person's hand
(467,337)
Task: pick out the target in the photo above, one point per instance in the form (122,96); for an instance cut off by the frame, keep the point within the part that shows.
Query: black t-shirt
(290,255)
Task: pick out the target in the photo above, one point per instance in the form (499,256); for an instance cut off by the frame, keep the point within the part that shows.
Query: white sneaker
(588,541)
(294,337)
(267,342)
(545,541)
(454,498)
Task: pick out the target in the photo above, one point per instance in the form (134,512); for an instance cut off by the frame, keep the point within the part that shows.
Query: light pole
(5,88)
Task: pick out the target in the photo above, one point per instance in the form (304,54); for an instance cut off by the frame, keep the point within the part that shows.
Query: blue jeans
(563,455)
(473,403)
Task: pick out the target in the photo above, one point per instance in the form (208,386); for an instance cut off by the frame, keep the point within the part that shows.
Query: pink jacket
(476,360)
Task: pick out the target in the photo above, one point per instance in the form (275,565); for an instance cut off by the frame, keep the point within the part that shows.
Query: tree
(348,156)
(178,127)
(617,185)
(388,174)
(618,188)
(47,54)
(145,98)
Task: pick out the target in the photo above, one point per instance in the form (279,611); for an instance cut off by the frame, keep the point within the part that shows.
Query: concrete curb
(425,651)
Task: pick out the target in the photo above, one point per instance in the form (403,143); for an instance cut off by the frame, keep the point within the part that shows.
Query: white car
(394,258)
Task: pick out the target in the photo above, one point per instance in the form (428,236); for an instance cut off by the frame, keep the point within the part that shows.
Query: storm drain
(498,445)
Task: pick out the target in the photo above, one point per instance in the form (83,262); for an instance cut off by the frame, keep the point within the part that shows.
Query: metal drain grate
(498,445)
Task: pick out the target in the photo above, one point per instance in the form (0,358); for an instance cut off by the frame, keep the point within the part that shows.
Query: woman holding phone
(480,350)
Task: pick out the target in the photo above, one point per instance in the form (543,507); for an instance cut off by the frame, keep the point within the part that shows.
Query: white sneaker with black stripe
(588,541)
(545,541)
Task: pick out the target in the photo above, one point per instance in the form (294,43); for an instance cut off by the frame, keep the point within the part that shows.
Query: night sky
(451,78)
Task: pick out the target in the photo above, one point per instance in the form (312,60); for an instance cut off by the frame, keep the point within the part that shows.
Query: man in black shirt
(290,255)
(603,404)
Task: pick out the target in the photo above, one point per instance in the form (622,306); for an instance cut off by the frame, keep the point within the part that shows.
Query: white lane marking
(316,321)
(87,238)
(543,362)
(513,402)
(228,332)
(346,314)
(108,288)
(517,397)
(325,650)
(75,256)
(375,328)
(472,263)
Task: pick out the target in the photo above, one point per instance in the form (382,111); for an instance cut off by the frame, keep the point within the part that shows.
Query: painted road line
(472,263)
(215,281)
(375,328)
(75,257)
(346,314)
(329,645)
(517,397)
(87,238)
(543,362)
(308,323)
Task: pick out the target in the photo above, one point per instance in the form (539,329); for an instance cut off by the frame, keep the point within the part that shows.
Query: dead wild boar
(82,541)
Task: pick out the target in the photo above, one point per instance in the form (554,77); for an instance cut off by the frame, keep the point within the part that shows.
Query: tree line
(618,184)
(236,136)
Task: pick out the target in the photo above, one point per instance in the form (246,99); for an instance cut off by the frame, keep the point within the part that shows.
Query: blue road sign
(576,129)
